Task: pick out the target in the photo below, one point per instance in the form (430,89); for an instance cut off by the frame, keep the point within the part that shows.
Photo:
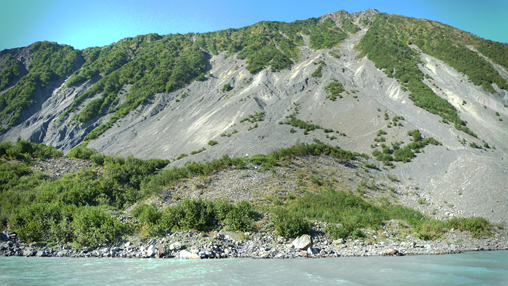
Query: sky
(89,23)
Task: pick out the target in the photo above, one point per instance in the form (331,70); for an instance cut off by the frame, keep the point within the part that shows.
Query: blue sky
(101,22)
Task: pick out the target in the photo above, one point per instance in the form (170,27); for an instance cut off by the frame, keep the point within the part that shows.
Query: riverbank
(223,244)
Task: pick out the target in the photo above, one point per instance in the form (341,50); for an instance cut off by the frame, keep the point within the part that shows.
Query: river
(471,268)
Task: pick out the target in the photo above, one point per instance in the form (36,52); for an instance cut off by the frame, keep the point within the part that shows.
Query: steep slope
(263,87)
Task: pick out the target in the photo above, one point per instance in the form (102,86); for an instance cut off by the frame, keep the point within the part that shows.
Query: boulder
(184,254)
(29,252)
(161,252)
(303,242)
(302,253)
(175,246)
(264,255)
(339,241)
(392,251)
(151,251)
(312,251)
(40,253)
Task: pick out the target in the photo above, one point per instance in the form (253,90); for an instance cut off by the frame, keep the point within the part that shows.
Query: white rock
(151,251)
(184,254)
(175,246)
(303,242)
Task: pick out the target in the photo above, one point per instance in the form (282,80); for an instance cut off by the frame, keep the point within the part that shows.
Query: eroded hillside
(361,81)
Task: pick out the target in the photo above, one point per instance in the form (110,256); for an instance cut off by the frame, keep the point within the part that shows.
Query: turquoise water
(472,268)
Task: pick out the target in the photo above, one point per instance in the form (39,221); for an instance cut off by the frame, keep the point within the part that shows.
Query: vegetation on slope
(386,44)
(153,64)
(10,71)
(334,90)
(75,207)
(348,214)
(402,154)
(50,61)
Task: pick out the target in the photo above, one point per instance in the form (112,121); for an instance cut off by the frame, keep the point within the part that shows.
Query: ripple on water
(472,268)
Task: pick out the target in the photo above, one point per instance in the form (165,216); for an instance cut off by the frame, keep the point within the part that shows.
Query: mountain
(426,101)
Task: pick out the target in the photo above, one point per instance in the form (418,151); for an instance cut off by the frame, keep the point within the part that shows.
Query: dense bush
(200,215)
(92,227)
(81,152)
(289,224)
(25,150)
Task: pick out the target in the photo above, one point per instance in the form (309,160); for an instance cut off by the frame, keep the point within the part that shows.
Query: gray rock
(29,252)
(161,252)
(392,251)
(339,241)
(40,253)
(302,253)
(303,242)
(312,250)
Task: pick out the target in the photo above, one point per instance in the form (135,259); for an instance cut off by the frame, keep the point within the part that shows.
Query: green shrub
(241,217)
(477,226)
(24,150)
(334,90)
(81,152)
(93,227)
(222,208)
(188,215)
(97,159)
(318,72)
(198,151)
(227,87)
(290,225)
(212,142)
(43,221)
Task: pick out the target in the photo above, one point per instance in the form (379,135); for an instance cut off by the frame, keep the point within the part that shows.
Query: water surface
(471,268)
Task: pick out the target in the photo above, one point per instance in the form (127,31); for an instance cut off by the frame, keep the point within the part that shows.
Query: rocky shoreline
(222,244)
